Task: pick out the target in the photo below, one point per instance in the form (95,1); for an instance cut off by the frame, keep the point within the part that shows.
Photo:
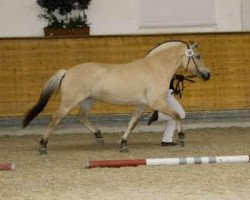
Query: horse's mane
(165,45)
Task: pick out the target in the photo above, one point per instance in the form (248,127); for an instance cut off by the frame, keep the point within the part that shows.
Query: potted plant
(65,17)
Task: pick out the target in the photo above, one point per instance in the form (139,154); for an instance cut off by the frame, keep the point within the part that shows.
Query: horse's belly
(121,98)
(122,101)
(120,89)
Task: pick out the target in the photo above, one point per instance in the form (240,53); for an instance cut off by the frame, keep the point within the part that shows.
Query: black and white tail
(50,87)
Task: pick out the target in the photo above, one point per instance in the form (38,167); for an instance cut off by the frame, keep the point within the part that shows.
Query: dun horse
(141,83)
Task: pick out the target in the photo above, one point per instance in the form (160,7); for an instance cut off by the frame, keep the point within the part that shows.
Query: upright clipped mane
(165,45)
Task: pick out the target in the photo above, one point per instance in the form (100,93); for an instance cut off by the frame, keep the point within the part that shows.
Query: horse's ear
(193,45)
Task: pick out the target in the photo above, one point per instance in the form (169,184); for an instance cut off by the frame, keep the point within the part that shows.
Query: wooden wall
(26,64)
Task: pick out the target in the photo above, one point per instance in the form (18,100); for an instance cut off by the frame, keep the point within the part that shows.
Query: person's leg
(167,139)
(169,132)
(171,124)
(173,103)
(158,116)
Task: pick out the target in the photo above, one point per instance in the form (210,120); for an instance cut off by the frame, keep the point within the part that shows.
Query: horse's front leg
(181,133)
(132,123)
(164,108)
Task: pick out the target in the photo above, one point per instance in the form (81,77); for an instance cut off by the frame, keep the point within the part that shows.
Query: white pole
(197,160)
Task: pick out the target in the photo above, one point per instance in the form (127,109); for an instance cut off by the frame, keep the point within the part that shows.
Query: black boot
(168,144)
(153,118)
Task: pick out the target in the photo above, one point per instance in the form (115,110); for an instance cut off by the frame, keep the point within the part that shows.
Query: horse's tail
(50,87)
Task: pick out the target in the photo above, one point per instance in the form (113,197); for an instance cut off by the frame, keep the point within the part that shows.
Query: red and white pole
(115,163)
(167,161)
(7,166)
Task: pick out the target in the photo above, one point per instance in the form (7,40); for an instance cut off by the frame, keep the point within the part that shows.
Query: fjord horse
(143,82)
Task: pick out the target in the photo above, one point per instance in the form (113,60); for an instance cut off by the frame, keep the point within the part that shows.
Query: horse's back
(111,83)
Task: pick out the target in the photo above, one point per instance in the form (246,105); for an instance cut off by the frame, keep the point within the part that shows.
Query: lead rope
(179,87)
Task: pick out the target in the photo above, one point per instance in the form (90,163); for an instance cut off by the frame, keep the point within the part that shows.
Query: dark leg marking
(43,145)
(124,146)
(181,139)
(99,137)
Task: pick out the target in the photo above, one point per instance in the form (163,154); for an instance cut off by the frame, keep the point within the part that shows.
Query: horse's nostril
(208,76)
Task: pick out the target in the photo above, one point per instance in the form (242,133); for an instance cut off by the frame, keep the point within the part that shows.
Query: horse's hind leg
(132,123)
(85,106)
(61,112)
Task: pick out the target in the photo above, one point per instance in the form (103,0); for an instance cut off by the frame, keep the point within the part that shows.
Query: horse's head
(193,63)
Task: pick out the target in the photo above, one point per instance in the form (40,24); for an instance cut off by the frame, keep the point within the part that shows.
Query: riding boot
(153,118)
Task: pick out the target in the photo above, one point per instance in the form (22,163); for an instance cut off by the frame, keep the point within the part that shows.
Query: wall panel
(26,64)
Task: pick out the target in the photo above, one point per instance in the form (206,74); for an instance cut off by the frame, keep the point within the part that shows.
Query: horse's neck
(167,62)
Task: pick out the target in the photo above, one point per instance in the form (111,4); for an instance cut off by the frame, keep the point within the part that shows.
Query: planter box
(66,32)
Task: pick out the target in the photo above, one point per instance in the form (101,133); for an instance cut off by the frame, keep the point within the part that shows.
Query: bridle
(190,54)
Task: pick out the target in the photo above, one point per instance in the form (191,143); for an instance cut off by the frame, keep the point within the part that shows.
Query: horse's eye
(198,57)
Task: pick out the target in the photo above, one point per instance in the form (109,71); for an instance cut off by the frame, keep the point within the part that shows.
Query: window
(163,13)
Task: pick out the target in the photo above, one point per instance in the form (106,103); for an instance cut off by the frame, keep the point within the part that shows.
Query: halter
(190,54)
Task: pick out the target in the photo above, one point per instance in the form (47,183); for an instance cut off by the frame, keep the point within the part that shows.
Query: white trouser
(171,124)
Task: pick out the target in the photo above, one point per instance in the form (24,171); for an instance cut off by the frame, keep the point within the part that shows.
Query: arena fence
(27,63)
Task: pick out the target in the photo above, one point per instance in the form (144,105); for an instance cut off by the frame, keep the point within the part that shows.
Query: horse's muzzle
(205,75)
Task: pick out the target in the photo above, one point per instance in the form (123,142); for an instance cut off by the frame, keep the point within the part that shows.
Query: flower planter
(66,32)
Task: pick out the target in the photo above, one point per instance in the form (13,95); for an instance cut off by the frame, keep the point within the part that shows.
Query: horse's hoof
(124,146)
(124,150)
(181,143)
(99,138)
(42,151)
(100,141)
(181,139)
